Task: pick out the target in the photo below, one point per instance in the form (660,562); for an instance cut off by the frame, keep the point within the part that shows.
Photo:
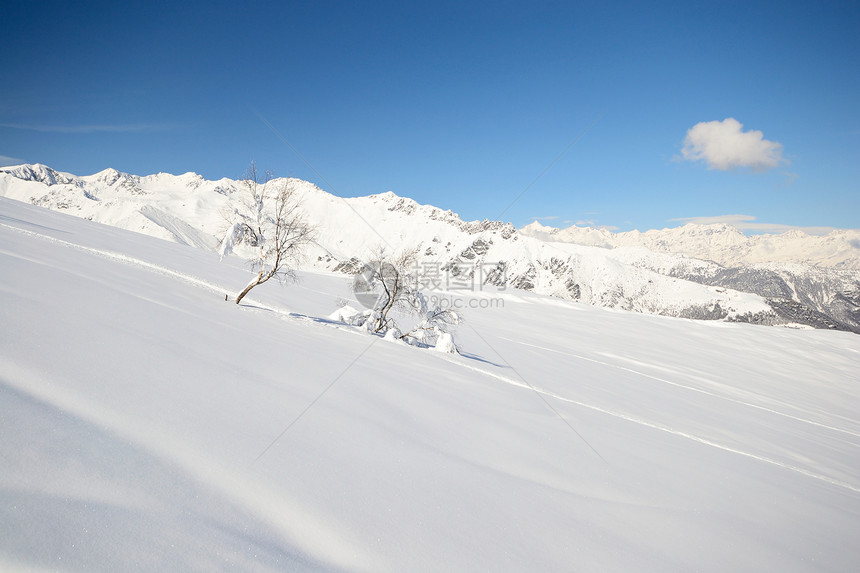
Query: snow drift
(148,425)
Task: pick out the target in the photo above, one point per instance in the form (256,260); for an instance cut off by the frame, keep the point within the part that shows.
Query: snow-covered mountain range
(721,243)
(694,271)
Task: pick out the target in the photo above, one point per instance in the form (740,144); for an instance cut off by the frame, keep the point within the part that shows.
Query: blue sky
(468,106)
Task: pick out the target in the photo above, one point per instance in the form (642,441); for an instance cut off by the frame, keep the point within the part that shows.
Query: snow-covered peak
(706,229)
(110,177)
(189,179)
(386,196)
(535,228)
(394,202)
(106,174)
(37,172)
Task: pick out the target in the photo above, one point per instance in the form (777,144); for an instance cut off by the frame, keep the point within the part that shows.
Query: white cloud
(5,161)
(717,220)
(547,218)
(748,223)
(723,145)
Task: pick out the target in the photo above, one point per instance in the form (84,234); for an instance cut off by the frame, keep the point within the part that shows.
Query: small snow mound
(445,343)
(393,335)
(345,314)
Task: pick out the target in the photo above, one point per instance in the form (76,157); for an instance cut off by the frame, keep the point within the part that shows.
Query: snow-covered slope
(147,425)
(182,208)
(723,244)
(452,253)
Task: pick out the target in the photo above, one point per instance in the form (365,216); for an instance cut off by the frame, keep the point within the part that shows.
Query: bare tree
(389,284)
(389,279)
(267,217)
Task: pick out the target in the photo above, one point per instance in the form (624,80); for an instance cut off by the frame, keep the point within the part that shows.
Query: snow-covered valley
(147,424)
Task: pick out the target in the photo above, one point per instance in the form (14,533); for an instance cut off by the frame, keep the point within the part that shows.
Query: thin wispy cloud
(5,161)
(748,223)
(89,128)
(724,145)
(594,224)
(547,218)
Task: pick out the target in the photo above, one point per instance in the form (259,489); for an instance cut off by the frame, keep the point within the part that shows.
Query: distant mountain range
(694,271)
(723,244)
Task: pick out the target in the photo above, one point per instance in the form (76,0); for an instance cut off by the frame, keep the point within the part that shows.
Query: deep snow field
(148,425)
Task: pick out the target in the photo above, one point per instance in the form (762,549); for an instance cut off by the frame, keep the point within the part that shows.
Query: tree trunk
(248,288)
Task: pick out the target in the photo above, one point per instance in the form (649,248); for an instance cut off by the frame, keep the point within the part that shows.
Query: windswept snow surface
(148,425)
